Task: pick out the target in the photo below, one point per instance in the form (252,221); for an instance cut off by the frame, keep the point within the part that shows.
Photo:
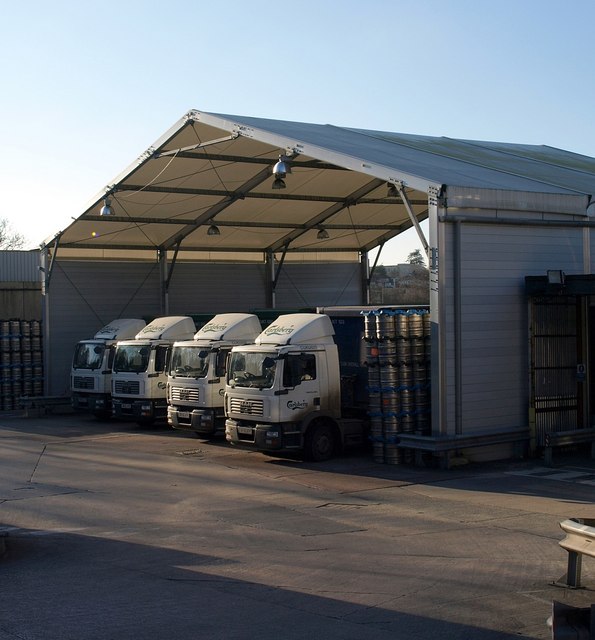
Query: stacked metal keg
(398,360)
(21,362)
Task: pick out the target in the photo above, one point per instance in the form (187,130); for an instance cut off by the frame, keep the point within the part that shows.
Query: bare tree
(415,257)
(10,239)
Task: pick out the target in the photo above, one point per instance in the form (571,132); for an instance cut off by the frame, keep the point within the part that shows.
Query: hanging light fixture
(213,230)
(322,234)
(280,170)
(106,210)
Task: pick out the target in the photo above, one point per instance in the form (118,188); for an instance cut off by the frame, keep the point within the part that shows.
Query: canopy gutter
(474,198)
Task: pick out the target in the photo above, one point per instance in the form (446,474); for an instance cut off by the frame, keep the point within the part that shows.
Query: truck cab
(197,370)
(91,373)
(139,378)
(283,393)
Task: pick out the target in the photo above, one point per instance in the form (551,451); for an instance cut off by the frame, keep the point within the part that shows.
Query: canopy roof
(212,169)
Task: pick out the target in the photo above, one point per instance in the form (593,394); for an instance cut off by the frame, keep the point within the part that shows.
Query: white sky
(87,87)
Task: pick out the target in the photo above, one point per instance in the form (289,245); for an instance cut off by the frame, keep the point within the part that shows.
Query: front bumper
(205,422)
(92,402)
(263,436)
(145,410)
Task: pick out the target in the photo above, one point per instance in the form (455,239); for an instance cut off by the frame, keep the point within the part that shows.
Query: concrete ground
(115,532)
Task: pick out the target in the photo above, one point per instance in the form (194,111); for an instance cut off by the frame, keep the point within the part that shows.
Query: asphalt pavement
(113,531)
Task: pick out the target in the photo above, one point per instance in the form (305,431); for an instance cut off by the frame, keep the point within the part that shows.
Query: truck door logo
(297,404)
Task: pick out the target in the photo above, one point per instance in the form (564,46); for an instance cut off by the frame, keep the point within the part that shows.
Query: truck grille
(83,382)
(246,407)
(131,387)
(184,394)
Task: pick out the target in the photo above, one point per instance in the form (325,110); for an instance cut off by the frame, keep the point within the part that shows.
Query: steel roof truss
(327,213)
(229,199)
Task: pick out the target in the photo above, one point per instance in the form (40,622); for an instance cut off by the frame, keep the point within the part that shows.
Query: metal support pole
(164,302)
(413,217)
(573,574)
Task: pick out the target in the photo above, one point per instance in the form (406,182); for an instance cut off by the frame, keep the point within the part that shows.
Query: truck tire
(320,442)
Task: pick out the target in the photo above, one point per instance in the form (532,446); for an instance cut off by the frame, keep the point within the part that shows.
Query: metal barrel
(25,328)
(417,349)
(374,376)
(15,327)
(402,325)
(403,352)
(416,325)
(390,402)
(376,426)
(374,399)
(385,325)
(378,451)
(426,323)
(389,376)
(372,353)
(35,328)
(405,374)
(407,413)
(387,353)
(393,454)
(369,326)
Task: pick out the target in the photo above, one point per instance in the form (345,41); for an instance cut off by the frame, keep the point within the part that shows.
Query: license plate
(246,431)
(126,405)
(82,400)
(184,414)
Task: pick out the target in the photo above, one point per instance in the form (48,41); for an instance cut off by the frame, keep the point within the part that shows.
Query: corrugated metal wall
(83,296)
(319,285)
(494,342)
(19,266)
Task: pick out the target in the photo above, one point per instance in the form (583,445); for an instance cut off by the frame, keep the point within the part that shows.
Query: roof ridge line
(444,155)
(473,143)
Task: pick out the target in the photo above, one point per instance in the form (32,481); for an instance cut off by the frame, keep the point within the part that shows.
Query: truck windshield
(88,355)
(132,358)
(256,370)
(189,362)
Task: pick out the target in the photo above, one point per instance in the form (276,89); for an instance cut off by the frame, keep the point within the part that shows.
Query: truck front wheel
(320,442)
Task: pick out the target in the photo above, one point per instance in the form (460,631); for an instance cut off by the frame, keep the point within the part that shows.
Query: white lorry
(139,378)
(196,378)
(91,373)
(284,392)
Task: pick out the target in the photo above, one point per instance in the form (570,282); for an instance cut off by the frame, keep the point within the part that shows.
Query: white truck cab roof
(120,329)
(230,327)
(168,328)
(298,328)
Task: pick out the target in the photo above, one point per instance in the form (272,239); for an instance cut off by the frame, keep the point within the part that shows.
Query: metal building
(227,213)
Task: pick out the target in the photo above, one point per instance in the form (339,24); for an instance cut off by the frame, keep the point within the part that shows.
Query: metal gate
(555,344)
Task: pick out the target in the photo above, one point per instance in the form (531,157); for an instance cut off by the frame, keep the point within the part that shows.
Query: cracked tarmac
(113,531)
